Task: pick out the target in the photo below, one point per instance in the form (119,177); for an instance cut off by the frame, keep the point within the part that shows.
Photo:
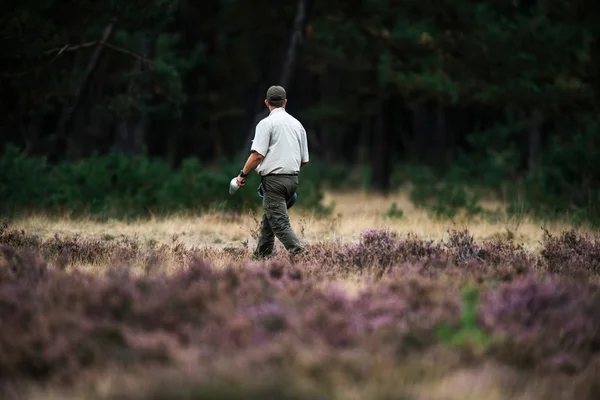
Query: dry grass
(354,212)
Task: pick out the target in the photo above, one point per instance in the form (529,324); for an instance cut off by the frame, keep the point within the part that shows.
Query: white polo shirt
(281,139)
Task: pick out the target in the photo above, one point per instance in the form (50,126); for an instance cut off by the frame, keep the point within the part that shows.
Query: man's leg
(276,190)
(266,240)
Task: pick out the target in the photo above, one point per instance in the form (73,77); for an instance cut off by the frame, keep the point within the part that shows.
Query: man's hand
(253,161)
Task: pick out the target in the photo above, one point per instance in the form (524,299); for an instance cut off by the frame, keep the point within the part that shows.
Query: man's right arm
(260,144)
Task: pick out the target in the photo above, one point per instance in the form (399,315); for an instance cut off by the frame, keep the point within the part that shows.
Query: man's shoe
(301,253)
(258,257)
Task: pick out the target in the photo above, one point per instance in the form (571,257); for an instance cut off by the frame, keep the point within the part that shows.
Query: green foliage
(128,186)
(566,184)
(468,333)
(443,198)
(22,179)
(394,212)
(164,100)
(337,176)
(494,156)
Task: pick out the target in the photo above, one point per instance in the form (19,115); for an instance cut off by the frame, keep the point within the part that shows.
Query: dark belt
(296,174)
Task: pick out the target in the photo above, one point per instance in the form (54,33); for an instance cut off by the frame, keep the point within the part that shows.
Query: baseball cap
(276,93)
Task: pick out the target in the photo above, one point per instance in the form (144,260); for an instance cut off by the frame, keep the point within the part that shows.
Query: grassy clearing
(354,213)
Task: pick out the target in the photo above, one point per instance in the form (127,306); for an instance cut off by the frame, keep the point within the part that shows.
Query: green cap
(276,94)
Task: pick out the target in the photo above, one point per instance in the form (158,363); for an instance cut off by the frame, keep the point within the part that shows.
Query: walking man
(278,151)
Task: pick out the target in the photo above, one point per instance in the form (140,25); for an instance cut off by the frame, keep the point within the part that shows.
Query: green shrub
(394,212)
(443,196)
(120,186)
(23,181)
(567,183)
(468,332)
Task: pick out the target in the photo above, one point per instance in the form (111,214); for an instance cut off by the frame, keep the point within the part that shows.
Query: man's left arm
(304,149)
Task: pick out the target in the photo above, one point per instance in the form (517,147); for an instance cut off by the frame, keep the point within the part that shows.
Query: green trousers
(275,221)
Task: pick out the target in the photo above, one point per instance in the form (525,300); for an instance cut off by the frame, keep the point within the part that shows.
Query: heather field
(382,307)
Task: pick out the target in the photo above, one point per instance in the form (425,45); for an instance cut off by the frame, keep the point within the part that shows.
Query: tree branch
(94,43)
(68,116)
(129,53)
(67,48)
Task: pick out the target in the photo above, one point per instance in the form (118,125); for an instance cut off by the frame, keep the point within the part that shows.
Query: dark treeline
(505,90)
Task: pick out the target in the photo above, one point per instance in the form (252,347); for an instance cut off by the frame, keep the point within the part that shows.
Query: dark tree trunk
(70,111)
(383,144)
(364,141)
(295,40)
(173,142)
(288,65)
(312,128)
(451,128)
(407,144)
(420,128)
(534,141)
(439,144)
(328,142)
(429,129)
(131,134)
(33,130)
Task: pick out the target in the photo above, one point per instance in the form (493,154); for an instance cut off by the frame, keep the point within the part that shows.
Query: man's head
(276,97)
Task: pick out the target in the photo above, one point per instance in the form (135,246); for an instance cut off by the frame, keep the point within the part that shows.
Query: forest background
(121,109)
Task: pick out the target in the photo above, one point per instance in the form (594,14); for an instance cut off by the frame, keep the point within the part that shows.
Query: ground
(353,214)
(121,310)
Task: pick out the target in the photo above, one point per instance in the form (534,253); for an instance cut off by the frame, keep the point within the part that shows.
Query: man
(278,151)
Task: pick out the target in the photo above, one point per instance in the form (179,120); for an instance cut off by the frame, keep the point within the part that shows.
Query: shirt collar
(276,110)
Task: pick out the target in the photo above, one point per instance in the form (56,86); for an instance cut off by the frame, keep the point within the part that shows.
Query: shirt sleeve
(262,138)
(304,149)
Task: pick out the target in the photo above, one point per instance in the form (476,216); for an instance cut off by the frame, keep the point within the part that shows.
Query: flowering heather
(288,327)
(379,249)
(547,323)
(571,253)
